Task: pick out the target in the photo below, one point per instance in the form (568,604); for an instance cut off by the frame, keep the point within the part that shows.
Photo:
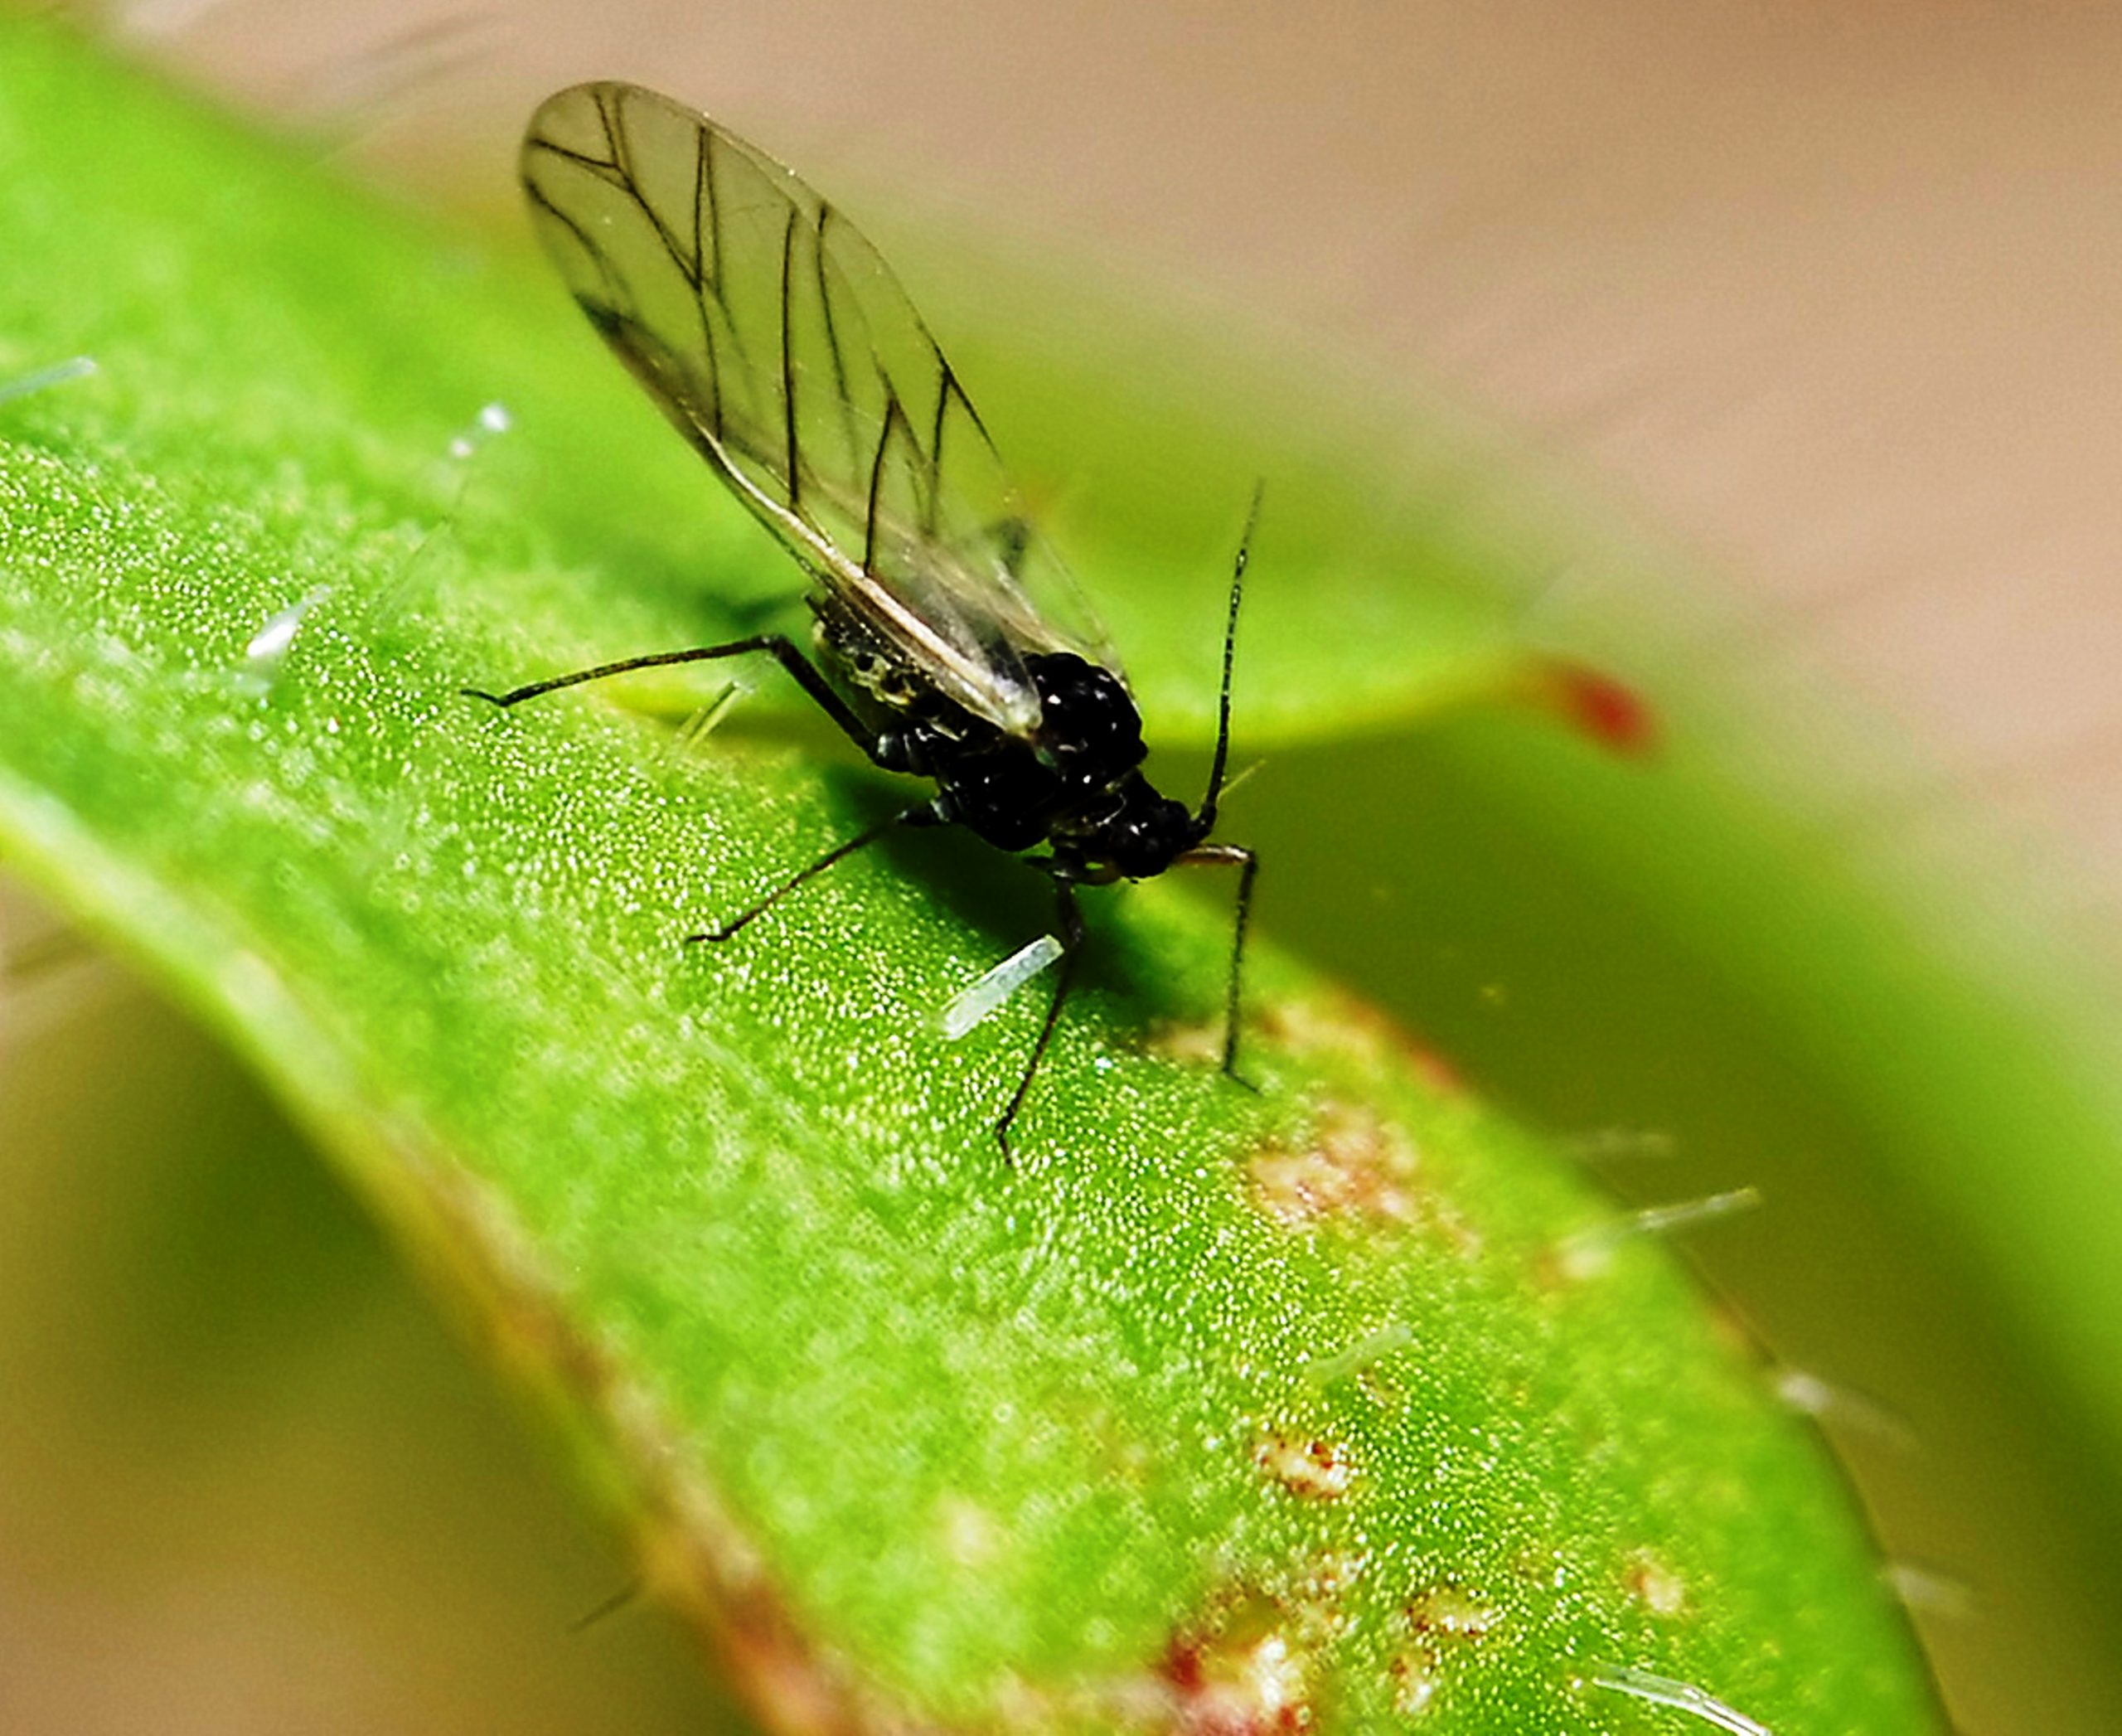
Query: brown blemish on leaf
(696,1556)
(1355,1164)
(1446,1619)
(1325,1026)
(1358,1169)
(1341,1025)
(1199,1044)
(1318,1470)
(1654,1583)
(1415,1675)
(1451,1612)
(1244,1676)
(1432,1069)
(1246,1666)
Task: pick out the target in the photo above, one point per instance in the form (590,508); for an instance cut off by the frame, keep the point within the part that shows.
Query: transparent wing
(778,341)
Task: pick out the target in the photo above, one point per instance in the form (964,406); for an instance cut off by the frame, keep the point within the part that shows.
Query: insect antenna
(1230,855)
(1204,822)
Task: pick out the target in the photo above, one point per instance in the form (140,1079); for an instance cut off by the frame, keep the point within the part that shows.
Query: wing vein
(789,364)
(810,385)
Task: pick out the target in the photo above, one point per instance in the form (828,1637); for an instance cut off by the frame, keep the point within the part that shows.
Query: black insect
(774,337)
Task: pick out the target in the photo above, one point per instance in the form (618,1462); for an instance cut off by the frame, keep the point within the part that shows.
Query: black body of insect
(949,643)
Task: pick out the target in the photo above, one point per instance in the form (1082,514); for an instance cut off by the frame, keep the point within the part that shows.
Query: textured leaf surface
(1218,1410)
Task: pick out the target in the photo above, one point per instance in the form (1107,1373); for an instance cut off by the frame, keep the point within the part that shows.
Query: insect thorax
(1074,783)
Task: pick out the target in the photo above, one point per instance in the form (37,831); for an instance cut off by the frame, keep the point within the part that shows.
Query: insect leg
(920,815)
(1247,863)
(1204,822)
(777,646)
(1064,976)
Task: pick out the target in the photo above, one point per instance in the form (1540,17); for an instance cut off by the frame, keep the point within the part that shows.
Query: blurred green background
(1848,940)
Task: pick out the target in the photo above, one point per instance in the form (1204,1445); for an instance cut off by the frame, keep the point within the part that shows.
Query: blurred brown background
(1833,294)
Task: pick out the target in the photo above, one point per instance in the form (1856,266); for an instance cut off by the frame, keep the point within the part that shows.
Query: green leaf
(1341,1403)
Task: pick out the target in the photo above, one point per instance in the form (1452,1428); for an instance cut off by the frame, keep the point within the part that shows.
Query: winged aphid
(947,640)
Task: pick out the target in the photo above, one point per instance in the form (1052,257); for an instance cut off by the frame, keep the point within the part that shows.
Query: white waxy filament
(269,644)
(59,372)
(976,1005)
(1681,1696)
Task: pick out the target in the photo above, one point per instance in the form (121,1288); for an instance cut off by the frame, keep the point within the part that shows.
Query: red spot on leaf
(1611,712)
